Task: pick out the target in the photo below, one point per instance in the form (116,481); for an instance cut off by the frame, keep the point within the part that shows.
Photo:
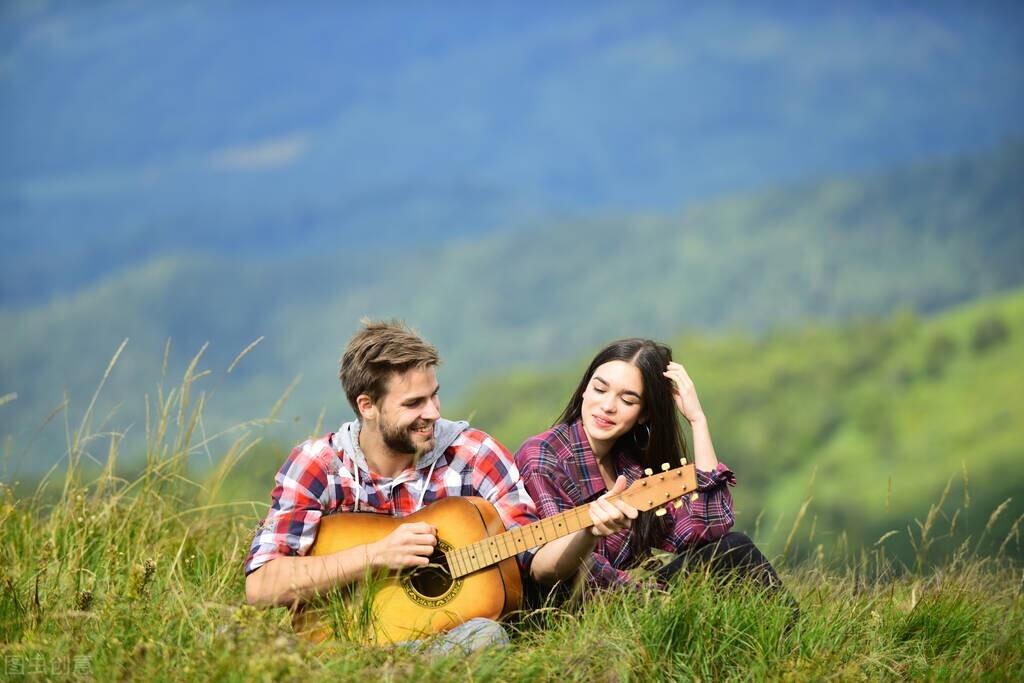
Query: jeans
(467,637)
(733,554)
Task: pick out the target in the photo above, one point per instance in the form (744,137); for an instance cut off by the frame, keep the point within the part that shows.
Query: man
(396,457)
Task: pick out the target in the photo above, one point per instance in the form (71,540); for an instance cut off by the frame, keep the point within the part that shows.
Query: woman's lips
(603,423)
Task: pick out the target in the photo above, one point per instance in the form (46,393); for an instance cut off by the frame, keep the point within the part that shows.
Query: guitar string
(468,555)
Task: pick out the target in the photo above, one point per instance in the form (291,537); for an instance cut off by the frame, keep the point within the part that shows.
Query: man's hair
(379,350)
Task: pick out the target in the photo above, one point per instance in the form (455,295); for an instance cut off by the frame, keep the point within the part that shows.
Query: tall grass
(139,578)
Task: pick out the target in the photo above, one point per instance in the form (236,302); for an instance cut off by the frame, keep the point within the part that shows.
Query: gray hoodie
(445,433)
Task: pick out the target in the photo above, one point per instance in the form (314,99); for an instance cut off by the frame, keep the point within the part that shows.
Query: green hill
(870,419)
(925,238)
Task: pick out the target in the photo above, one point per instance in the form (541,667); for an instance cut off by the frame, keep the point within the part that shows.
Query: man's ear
(367,408)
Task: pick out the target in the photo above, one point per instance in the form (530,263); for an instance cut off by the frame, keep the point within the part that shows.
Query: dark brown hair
(379,350)
(663,443)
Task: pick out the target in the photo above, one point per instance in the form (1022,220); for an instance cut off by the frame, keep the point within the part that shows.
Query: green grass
(139,578)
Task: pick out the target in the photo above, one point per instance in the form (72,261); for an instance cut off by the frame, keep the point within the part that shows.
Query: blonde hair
(379,350)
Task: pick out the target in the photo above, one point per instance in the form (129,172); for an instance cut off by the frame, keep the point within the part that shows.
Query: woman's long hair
(664,442)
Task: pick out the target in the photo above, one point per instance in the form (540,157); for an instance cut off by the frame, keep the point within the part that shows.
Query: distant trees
(989,332)
(940,351)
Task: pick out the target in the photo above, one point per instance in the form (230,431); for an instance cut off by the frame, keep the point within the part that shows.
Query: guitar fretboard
(643,494)
(494,549)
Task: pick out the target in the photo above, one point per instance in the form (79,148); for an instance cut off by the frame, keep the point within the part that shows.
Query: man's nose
(432,411)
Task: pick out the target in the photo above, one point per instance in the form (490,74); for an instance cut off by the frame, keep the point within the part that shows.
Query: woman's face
(612,403)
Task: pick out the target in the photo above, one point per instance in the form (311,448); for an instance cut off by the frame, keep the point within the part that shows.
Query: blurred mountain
(239,131)
(925,237)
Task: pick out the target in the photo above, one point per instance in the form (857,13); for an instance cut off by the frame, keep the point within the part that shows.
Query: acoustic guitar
(473,571)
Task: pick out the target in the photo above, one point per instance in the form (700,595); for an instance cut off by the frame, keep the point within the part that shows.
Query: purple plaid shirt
(561,472)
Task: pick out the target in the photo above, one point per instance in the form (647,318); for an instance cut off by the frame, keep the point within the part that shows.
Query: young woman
(620,420)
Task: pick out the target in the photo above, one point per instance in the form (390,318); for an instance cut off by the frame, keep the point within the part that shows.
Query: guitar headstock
(655,490)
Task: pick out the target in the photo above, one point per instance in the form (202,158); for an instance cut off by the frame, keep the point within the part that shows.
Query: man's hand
(612,515)
(410,545)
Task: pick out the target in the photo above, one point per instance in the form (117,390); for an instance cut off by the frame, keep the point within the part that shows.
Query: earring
(647,441)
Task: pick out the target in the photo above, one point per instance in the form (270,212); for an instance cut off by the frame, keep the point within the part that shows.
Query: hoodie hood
(445,434)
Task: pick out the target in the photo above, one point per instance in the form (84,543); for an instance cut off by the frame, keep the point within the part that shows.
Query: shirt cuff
(525,562)
(265,554)
(720,476)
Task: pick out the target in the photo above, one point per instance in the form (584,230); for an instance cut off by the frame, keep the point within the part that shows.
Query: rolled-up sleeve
(706,518)
(297,504)
(550,488)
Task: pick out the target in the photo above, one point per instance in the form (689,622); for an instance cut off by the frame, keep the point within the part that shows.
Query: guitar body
(409,605)
(412,604)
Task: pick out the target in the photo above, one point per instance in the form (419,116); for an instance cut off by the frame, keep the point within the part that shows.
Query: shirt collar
(582,466)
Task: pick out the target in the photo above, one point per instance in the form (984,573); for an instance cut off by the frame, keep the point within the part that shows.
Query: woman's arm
(710,515)
(562,558)
(685,394)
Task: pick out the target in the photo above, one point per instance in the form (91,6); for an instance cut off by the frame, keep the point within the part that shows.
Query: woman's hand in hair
(611,514)
(684,393)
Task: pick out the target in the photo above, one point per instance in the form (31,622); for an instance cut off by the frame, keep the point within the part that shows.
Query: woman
(620,420)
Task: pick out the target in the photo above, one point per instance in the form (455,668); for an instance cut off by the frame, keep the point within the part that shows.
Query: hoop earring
(647,441)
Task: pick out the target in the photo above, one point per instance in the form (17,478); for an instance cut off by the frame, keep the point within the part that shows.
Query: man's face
(408,411)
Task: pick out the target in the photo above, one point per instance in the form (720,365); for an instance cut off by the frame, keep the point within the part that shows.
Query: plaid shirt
(561,472)
(319,478)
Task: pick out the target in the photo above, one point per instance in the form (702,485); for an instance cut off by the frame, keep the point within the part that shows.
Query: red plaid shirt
(561,472)
(319,478)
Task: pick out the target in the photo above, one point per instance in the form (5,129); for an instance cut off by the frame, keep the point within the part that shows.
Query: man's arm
(279,569)
(288,580)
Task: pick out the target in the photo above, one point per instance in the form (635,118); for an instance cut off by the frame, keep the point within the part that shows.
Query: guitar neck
(494,549)
(643,494)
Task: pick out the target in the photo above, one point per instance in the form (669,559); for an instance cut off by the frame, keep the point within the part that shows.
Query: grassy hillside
(925,238)
(139,578)
(869,420)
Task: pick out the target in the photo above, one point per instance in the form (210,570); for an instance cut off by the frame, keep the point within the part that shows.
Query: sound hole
(433,580)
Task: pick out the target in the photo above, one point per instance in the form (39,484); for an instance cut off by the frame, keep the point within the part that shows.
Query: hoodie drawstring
(426,485)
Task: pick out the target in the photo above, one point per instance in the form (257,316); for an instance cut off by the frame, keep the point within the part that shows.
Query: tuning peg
(661,512)
(693,497)
(682,461)
(678,504)
(648,471)
(664,467)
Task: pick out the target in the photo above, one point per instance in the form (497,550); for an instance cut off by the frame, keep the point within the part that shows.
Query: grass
(139,578)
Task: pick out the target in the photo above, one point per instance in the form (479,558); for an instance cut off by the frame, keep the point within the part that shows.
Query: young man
(396,457)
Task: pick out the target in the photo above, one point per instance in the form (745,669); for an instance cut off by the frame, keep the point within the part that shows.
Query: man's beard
(399,439)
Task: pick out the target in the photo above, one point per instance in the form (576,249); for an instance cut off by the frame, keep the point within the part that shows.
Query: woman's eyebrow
(627,391)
